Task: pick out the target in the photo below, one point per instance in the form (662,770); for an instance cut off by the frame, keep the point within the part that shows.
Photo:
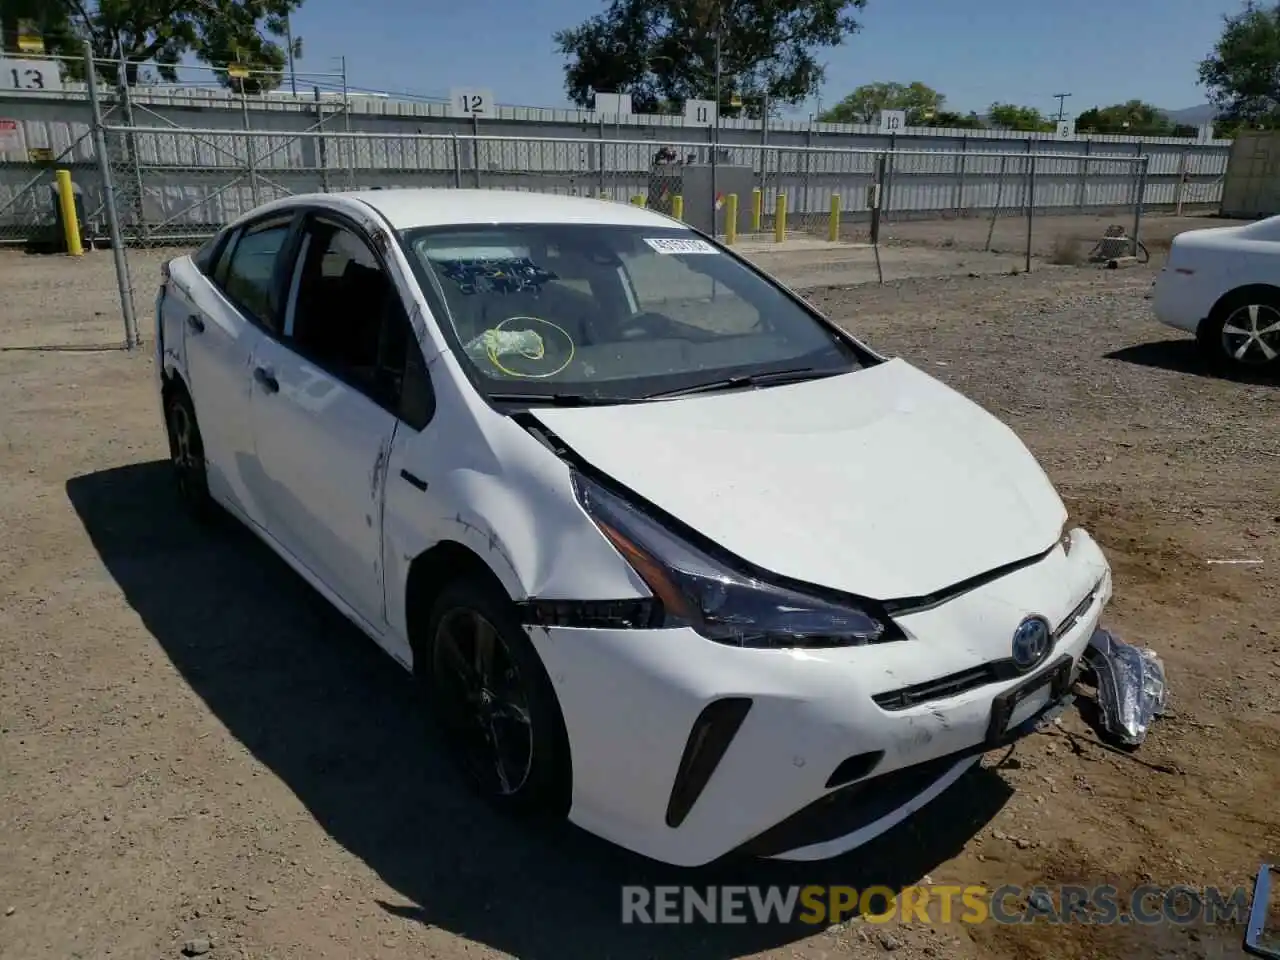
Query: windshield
(602,313)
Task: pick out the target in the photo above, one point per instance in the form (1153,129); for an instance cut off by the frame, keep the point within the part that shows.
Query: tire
(1230,337)
(186,454)
(505,733)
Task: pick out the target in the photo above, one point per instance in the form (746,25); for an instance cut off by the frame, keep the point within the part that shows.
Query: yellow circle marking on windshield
(538,355)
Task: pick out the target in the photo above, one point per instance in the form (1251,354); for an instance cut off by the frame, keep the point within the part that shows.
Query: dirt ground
(193,745)
(1009,234)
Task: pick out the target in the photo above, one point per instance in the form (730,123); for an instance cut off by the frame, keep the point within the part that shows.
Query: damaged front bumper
(685,750)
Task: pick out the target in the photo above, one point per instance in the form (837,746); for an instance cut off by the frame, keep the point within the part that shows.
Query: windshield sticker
(670,245)
(505,275)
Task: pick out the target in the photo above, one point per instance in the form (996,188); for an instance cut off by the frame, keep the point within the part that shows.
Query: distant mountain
(1192,116)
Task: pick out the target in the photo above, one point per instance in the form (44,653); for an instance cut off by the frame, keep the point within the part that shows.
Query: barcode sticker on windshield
(675,245)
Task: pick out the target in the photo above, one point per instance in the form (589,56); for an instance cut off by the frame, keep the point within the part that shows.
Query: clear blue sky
(973,51)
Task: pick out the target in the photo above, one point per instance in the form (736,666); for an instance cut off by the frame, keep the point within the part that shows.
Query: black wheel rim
(1251,334)
(184,448)
(484,701)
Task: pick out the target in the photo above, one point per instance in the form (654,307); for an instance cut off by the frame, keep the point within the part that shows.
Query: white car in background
(670,553)
(1223,285)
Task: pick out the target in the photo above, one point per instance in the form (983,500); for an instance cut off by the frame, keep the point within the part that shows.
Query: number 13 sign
(471,102)
(33,75)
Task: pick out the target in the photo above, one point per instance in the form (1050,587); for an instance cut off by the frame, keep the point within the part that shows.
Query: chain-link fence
(143,181)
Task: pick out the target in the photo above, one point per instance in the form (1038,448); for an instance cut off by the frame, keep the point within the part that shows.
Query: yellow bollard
(833,229)
(780,219)
(67,203)
(677,207)
(731,219)
(638,200)
(757,209)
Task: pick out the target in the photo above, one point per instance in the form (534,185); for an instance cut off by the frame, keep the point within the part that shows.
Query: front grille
(996,671)
(949,686)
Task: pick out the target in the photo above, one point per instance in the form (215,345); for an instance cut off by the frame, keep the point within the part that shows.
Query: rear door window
(251,271)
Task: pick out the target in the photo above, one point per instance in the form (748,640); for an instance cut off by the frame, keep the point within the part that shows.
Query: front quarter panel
(493,488)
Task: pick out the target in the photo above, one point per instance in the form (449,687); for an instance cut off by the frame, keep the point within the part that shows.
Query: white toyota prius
(669,553)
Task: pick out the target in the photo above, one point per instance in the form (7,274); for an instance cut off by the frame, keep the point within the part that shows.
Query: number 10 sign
(471,102)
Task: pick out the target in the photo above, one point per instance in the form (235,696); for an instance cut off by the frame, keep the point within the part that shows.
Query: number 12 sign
(471,102)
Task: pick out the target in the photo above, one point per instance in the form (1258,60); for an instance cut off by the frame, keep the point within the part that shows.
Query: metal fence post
(457,162)
(248,145)
(1031,206)
(995,210)
(1183,162)
(109,197)
(346,120)
(960,164)
(131,147)
(888,176)
(600,156)
(321,142)
(1138,202)
(1081,200)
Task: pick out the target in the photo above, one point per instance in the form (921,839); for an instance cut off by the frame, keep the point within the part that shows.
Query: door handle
(267,379)
(413,480)
(195,323)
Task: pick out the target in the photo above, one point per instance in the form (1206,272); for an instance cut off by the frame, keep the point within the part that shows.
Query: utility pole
(715,134)
(1062,98)
(288,35)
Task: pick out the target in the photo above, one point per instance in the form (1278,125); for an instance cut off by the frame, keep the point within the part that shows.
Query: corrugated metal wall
(1252,184)
(948,171)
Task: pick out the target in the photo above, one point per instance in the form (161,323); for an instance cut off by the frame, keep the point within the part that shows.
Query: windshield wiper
(772,378)
(556,399)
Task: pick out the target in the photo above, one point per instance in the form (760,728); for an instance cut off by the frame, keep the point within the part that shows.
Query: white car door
(224,315)
(322,411)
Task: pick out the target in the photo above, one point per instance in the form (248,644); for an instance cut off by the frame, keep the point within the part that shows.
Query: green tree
(948,118)
(1007,116)
(867,101)
(1242,75)
(1133,117)
(665,50)
(162,32)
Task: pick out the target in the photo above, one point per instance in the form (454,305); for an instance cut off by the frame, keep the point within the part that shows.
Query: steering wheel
(644,324)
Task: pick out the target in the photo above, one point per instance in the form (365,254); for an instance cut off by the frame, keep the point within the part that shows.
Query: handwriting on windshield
(501,276)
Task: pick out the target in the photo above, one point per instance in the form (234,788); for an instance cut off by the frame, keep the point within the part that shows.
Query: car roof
(432,206)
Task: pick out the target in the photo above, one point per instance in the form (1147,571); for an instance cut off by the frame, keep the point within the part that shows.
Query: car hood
(883,482)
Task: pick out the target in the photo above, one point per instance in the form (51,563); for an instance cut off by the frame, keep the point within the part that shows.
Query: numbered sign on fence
(472,102)
(893,121)
(699,113)
(1066,129)
(32,75)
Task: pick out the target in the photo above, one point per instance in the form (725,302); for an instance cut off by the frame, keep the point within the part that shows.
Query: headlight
(696,590)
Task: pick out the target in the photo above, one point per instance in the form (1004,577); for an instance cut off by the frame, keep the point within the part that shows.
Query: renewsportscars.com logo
(1102,904)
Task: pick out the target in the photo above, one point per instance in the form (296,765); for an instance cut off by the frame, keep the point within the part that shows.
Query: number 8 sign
(471,102)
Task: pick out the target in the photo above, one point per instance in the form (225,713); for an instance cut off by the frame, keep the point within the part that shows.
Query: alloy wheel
(1251,334)
(482,694)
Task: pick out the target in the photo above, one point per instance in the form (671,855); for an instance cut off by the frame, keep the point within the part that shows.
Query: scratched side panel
(496,490)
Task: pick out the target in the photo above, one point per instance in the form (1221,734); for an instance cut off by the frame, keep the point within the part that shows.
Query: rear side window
(219,269)
(251,271)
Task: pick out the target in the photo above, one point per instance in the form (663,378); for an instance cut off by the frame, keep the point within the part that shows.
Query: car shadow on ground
(339,723)
(1183,356)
